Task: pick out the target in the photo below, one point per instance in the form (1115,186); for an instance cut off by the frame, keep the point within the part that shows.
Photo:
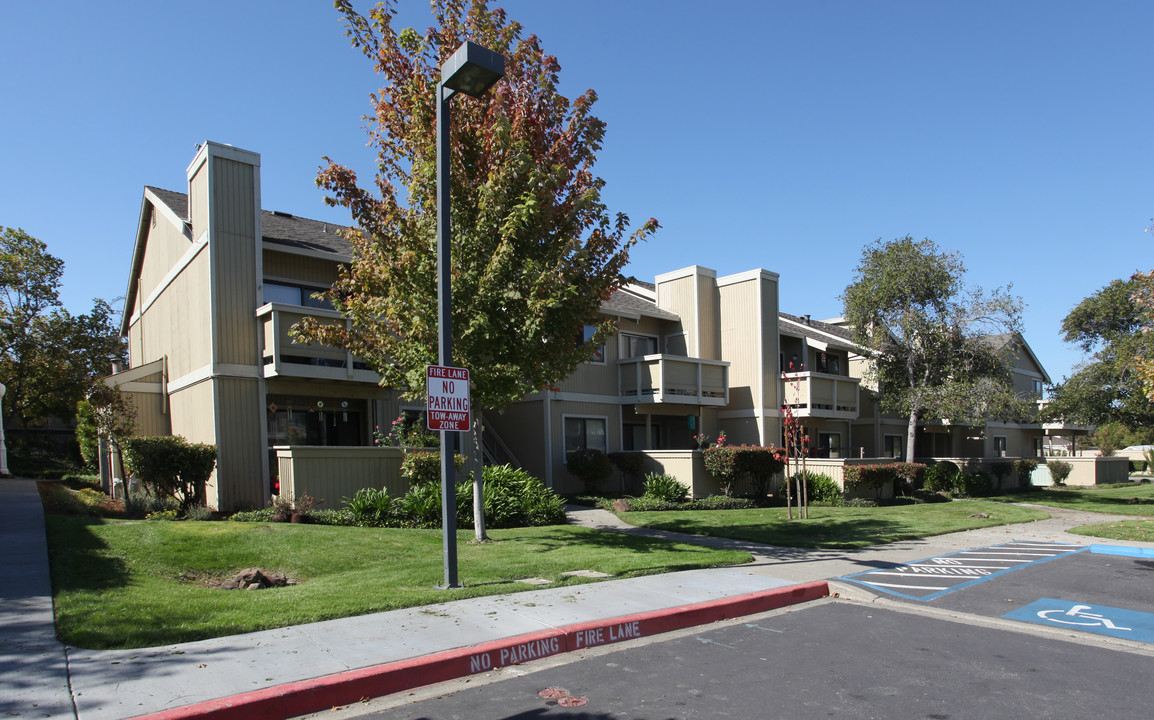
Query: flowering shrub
(730,464)
(875,477)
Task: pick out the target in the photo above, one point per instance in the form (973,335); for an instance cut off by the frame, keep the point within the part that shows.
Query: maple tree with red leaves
(534,248)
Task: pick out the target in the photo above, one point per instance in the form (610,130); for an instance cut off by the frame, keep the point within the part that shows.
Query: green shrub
(659,486)
(39,463)
(421,467)
(514,498)
(139,504)
(1024,467)
(171,466)
(369,507)
(713,502)
(1137,466)
(421,505)
(590,465)
(261,515)
(942,477)
(1001,470)
(973,484)
(819,488)
(198,513)
(629,463)
(1059,471)
(875,477)
(861,502)
(163,515)
(731,463)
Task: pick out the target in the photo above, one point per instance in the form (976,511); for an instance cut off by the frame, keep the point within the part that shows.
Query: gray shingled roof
(816,329)
(279,228)
(626,304)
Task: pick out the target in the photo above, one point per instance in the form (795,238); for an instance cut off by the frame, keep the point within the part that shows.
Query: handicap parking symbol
(1101,619)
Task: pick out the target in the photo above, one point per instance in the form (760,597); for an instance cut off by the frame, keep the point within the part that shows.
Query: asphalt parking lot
(1004,631)
(1088,588)
(830,658)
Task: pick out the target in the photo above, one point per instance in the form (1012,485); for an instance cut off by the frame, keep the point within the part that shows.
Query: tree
(1108,386)
(1143,298)
(534,248)
(933,338)
(48,357)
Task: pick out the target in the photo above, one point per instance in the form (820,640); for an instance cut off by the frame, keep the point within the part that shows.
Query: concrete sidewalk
(285,672)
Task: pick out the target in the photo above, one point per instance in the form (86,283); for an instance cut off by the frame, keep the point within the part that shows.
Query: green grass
(1137,530)
(128,584)
(830,527)
(1113,499)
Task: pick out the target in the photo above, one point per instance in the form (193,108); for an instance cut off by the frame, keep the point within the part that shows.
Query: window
(637,345)
(829,445)
(633,436)
(999,446)
(828,363)
(893,446)
(585,433)
(1038,447)
(289,294)
(584,336)
(1038,388)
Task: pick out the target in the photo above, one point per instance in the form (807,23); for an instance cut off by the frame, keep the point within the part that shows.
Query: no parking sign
(447,407)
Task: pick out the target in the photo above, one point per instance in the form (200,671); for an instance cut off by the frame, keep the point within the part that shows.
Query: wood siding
(233,249)
(299,268)
(330,474)
(240,459)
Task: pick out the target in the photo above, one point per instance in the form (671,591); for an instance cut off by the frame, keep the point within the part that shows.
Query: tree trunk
(911,436)
(479,482)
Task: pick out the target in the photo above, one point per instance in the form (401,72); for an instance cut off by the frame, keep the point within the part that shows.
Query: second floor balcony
(818,395)
(673,379)
(285,358)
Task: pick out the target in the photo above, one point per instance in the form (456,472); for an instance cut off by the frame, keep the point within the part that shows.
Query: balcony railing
(284,358)
(673,379)
(818,395)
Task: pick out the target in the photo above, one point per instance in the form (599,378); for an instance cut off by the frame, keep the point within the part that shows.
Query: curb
(306,696)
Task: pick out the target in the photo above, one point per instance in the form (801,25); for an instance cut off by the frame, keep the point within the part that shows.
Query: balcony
(818,395)
(673,380)
(284,358)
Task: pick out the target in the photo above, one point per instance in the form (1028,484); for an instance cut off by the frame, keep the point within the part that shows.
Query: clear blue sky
(783,135)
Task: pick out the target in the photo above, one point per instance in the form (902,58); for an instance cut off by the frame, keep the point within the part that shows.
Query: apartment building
(216,283)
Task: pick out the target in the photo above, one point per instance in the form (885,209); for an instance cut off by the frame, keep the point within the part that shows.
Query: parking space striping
(927,579)
(1100,619)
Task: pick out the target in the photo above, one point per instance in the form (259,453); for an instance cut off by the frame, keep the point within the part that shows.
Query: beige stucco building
(216,283)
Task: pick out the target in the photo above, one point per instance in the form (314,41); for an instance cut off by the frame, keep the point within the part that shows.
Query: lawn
(1113,499)
(1136,530)
(128,584)
(842,527)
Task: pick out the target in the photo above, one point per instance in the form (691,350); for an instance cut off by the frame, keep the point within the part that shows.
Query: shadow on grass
(79,559)
(605,539)
(806,534)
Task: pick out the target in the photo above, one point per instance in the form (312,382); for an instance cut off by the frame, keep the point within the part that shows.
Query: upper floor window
(828,363)
(637,345)
(585,335)
(289,294)
(1038,388)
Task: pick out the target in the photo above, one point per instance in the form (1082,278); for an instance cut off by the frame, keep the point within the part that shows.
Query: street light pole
(471,69)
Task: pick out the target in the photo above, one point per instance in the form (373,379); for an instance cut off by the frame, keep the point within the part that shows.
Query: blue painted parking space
(1101,619)
(931,578)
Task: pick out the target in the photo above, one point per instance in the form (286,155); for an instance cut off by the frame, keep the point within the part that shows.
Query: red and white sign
(448,399)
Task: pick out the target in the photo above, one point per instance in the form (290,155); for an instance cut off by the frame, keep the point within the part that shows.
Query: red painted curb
(298,698)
